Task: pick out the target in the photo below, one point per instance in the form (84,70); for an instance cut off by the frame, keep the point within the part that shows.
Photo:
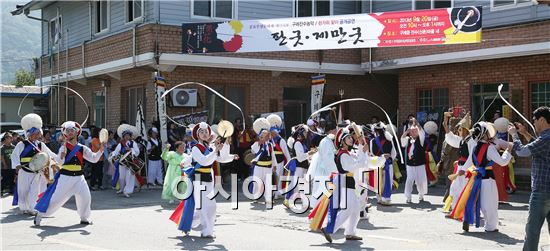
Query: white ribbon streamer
(75,92)
(513,108)
(328,108)
(210,89)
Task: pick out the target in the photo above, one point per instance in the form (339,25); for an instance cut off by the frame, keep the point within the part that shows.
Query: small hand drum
(103,136)
(39,161)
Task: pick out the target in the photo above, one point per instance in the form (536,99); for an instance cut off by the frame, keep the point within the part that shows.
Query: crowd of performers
(341,163)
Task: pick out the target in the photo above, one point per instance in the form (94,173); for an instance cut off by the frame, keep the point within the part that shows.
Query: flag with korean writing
(405,28)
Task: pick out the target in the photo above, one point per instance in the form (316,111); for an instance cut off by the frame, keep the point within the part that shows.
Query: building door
(482,101)
(296,106)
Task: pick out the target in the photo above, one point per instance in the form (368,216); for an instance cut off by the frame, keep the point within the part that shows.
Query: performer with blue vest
(480,193)
(380,146)
(264,163)
(299,152)
(69,181)
(127,178)
(282,155)
(344,205)
(30,183)
(200,207)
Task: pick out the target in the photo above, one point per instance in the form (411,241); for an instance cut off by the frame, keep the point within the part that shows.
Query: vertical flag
(317,87)
(140,122)
(160,85)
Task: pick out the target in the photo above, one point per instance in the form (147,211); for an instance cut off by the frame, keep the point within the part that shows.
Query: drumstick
(461,24)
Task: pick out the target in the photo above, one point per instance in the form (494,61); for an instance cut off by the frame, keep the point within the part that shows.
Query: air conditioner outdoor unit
(184,98)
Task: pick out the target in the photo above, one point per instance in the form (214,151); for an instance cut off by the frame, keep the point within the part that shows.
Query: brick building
(114,48)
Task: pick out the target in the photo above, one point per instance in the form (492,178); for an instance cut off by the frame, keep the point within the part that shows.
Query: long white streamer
(210,89)
(328,108)
(513,108)
(75,92)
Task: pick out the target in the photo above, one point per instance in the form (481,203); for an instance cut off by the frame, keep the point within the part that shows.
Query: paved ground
(141,222)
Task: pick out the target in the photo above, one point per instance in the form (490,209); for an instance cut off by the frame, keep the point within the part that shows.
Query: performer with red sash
(280,149)
(30,183)
(380,146)
(201,206)
(480,194)
(127,176)
(69,181)
(264,162)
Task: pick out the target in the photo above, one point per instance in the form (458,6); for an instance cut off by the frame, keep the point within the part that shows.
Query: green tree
(23,77)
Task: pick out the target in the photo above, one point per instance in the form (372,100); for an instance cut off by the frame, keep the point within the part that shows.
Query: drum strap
(28,148)
(73,152)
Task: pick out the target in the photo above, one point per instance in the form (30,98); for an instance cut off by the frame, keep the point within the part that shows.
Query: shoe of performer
(409,201)
(119,191)
(353,238)
(448,216)
(31,213)
(327,235)
(368,205)
(37,220)
(84,222)
(126,195)
(421,199)
(492,231)
(465,226)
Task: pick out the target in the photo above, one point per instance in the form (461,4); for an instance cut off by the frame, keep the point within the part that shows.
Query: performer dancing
(413,141)
(265,162)
(175,160)
(127,178)
(480,194)
(29,183)
(282,155)
(299,151)
(382,146)
(465,144)
(70,181)
(205,156)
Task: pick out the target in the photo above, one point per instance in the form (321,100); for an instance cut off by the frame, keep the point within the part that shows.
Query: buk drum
(134,163)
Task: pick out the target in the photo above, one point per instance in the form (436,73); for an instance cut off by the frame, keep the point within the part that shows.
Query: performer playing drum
(128,149)
(30,179)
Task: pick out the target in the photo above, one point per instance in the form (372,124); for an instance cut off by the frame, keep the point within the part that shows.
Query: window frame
(95,95)
(530,99)
(50,28)
(135,20)
(432,4)
(108,25)
(295,8)
(432,97)
(511,6)
(234,11)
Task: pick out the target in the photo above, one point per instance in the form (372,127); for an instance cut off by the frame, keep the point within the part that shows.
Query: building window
(431,4)
(99,109)
(134,10)
(484,103)
(213,8)
(433,99)
(101,16)
(71,116)
(425,100)
(505,4)
(135,96)
(308,8)
(217,108)
(540,95)
(55,31)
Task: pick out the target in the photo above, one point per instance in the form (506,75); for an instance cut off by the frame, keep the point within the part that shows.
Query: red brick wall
(517,72)
(260,86)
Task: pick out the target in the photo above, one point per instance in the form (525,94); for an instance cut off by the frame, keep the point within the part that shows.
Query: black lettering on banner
(358,34)
(279,36)
(339,33)
(298,37)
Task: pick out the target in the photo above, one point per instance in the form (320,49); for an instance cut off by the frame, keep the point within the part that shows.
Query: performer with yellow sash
(201,206)
(30,183)
(69,181)
(264,162)
(280,149)
(480,193)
